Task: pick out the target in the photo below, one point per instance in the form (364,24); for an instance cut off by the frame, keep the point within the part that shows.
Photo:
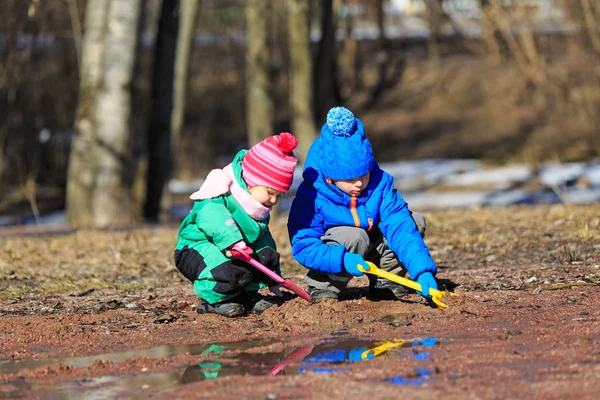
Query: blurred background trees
(101,169)
(102,103)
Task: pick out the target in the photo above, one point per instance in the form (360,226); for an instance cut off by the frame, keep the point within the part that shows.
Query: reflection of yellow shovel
(368,354)
(436,295)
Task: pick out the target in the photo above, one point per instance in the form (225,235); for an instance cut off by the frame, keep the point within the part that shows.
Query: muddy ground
(100,314)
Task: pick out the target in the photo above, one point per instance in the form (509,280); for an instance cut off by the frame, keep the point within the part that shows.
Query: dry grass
(87,259)
(459,240)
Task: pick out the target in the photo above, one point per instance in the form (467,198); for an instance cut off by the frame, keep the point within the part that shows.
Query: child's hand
(427,281)
(241,244)
(350,262)
(275,290)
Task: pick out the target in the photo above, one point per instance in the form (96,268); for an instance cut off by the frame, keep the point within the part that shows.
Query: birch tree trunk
(259,103)
(81,180)
(301,94)
(111,199)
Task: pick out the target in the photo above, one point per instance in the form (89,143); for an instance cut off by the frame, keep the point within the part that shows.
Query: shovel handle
(436,295)
(240,253)
(389,276)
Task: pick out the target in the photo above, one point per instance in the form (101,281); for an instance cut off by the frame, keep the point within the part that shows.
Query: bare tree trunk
(522,47)
(490,34)
(81,180)
(259,103)
(383,61)
(187,27)
(349,76)
(111,199)
(301,95)
(591,9)
(76,28)
(435,15)
(381,24)
(159,128)
(326,90)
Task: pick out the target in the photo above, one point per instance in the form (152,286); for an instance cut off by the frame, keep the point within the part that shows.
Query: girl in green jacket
(232,208)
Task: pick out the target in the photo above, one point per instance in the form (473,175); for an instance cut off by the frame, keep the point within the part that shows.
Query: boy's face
(354,187)
(266,196)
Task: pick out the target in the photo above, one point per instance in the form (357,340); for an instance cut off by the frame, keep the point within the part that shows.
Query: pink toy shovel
(294,357)
(240,253)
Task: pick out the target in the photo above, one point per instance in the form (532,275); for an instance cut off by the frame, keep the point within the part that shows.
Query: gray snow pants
(373,246)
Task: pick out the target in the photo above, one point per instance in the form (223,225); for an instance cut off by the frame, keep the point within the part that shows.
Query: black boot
(318,295)
(259,303)
(227,309)
(387,290)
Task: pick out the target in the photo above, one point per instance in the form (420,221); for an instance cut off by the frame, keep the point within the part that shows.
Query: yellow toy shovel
(369,354)
(436,295)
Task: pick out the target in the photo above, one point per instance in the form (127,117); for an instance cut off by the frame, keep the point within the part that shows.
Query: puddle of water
(398,319)
(326,356)
(341,332)
(418,345)
(107,387)
(10,367)
(323,357)
(420,377)
(329,356)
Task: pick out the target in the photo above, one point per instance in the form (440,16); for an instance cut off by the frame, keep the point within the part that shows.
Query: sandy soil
(525,324)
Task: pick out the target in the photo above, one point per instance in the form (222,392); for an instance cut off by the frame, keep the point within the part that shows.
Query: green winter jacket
(213,225)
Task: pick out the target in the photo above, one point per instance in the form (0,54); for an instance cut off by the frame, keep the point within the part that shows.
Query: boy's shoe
(387,291)
(230,310)
(321,294)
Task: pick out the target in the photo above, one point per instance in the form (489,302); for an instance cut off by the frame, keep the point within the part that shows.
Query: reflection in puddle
(329,356)
(422,375)
(113,387)
(10,367)
(420,355)
(226,359)
(320,357)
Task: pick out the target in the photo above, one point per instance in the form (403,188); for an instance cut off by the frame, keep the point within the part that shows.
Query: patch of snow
(554,174)
(184,187)
(500,178)
(412,175)
(441,200)
(592,174)
(583,196)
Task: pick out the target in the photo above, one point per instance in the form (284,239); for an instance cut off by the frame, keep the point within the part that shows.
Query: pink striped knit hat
(271,162)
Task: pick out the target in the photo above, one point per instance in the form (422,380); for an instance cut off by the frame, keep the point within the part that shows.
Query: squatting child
(347,211)
(232,208)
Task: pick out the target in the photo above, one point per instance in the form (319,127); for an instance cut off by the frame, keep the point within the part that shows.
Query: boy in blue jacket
(347,211)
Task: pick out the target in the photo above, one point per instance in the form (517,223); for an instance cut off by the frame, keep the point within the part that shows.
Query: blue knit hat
(345,150)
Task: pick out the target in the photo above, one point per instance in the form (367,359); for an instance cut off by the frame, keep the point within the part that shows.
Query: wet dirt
(525,325)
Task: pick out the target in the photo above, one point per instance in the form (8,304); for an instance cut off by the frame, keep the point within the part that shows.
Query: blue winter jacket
(319,205)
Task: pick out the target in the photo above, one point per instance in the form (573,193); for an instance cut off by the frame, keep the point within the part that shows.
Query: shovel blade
(243,255)
(288,284)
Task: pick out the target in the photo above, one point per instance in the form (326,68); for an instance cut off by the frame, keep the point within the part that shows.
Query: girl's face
(266,196)
(354,187)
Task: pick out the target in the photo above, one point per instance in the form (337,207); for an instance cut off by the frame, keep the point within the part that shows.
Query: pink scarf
(222,181)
